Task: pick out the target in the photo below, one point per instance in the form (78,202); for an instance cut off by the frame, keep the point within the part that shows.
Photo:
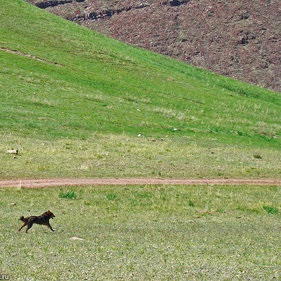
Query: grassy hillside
(76,103)
(234,38)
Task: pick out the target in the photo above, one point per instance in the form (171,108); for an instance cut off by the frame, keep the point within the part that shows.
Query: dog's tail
(21,218)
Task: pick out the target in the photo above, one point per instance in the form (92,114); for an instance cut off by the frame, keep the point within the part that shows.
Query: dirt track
(39,183)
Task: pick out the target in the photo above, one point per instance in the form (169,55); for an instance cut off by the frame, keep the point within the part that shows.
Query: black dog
(43,219)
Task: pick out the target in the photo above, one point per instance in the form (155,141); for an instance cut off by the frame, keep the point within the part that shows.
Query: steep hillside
(239,39)
(77,103)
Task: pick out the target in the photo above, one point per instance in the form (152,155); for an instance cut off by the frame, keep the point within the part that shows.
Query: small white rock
(76,238)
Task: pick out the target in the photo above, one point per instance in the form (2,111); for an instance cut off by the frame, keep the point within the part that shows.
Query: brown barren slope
(239,39)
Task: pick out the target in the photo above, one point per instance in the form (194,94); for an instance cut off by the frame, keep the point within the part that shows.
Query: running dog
(42,219)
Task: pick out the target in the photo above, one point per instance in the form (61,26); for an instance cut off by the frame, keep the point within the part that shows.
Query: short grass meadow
(143,233)
(77,104)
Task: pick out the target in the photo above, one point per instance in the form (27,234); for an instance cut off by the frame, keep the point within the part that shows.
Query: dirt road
(39,183)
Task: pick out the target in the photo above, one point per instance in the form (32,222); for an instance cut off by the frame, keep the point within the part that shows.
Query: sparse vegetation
(271,210)
(68,195)
(111,196)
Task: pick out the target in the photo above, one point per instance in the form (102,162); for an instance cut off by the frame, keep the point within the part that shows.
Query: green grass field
(143,233)
(78,104)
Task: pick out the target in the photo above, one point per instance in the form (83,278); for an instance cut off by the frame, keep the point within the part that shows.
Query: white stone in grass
(76,238)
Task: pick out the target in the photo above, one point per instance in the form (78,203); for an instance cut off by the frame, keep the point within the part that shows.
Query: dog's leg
(48,224)
(24,224)
(29,225)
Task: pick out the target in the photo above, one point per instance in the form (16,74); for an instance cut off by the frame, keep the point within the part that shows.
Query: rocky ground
(239,39)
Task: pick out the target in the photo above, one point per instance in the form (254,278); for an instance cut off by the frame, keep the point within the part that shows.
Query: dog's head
(50,214)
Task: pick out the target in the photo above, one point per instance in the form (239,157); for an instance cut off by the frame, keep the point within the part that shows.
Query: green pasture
(143,233)
(122,156)
(78,104)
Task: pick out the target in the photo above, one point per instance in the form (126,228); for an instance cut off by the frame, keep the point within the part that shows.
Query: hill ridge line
(39,183)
